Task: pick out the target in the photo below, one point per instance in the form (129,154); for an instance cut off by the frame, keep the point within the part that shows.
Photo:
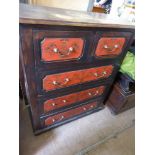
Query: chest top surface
(30,14)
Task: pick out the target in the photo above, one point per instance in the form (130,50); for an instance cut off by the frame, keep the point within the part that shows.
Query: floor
(100,133)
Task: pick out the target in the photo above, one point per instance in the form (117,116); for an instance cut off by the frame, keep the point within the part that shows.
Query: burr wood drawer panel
(61,47)
(66,100)
(53,49)
(69,114)
(65,79)
(109,46)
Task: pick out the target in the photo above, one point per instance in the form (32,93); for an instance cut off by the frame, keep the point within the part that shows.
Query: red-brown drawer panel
(96,73)
(109,46)
(62,101)
(61,80)
(56,103)
(54,49)
(68,114)
(90,93)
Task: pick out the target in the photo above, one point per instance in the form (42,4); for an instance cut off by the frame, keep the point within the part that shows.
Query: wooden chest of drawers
(66,66)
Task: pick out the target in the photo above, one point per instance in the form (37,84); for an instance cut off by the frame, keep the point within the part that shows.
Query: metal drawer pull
(105,46)
(64,101)
(66,79)
(84,108)
(103,73)
(116,46)
(110,49)
(97,92)
(90,94)
(61,84)
(62,117)
(96,74)
(53,104)
(71,49)
(55,83)
(55,50)
(63,53)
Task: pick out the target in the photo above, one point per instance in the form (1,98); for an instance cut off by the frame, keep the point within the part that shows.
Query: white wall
(80,5)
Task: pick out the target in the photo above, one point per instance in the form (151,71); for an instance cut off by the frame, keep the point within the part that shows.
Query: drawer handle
(84,109)
(52,104)
(63,53)
(61,84)
(91,94)
(62,117)
(64,101)
(110,49)
(103,73)
(91,106)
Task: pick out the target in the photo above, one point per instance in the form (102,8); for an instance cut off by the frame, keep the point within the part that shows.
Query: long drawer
(65,79)
(69,114)
(59,102)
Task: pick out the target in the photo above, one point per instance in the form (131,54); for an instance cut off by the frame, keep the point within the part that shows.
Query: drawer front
(61,80)
(62,101)
(69,114)
(57,49)
(108,46)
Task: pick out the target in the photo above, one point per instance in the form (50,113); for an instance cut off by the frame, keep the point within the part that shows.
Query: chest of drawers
(68,62)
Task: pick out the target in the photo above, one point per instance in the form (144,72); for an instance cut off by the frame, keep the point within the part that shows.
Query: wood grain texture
(27,65)
(63,101)
(30,14)
(109,46)
(59,49)
(119,100)
(71,113)
(56,81)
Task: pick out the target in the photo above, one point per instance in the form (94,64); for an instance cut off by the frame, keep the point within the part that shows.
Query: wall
(80,5)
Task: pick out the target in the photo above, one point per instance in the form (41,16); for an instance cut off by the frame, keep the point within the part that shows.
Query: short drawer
(111,43)
(66,100)
(110,46)
(69,114)
(65,79)
(57,49)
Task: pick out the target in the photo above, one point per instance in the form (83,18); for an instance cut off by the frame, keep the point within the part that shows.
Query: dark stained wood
(30,14)
(27,65)
(119,100)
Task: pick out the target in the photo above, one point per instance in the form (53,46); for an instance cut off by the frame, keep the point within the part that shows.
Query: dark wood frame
(31,71)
